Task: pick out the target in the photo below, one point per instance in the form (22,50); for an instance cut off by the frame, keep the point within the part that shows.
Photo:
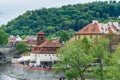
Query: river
(3,69)
(9,72)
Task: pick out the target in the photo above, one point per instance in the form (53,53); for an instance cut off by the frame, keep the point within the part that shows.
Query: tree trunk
(101,69)
(82,77)
(76,78)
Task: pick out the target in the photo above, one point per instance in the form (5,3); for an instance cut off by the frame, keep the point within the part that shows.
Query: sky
(10,9)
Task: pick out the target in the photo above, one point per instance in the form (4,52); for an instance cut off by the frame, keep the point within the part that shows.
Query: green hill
(67,17)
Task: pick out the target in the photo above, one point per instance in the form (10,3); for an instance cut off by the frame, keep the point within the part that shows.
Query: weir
(6,53)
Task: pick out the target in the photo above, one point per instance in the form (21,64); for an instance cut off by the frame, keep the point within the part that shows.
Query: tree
(101,53)
(23,37)
(75,58)
(64,36)
(113,69)
(3,37)
(22,47)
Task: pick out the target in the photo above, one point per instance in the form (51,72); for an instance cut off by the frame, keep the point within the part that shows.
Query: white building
(45,51)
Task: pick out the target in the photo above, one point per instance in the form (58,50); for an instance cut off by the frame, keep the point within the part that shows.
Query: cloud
(10,9)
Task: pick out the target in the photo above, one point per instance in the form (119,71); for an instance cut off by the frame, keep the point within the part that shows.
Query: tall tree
(113,69)
(75,58)
(22,47)
(3,37)
(64,36)
(101,54)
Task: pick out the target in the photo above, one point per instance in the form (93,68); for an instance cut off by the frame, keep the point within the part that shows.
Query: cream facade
(38,58)
(95,30)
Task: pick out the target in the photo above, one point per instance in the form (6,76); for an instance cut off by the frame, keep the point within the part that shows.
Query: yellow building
(95,30)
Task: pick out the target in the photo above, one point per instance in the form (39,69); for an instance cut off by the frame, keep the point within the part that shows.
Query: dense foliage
(22,47)
(76,57)
(67,17)
(3,38)
(64,36)
(82,59)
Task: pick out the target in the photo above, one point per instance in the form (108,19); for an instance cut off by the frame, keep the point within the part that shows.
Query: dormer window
(93,29)
(84,30)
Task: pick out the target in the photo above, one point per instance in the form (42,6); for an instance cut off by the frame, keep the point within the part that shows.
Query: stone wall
(7,51)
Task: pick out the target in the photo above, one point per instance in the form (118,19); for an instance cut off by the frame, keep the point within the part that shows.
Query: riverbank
(33,68)
(10,72)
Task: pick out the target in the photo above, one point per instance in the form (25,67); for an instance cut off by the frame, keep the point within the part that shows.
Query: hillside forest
(70,18)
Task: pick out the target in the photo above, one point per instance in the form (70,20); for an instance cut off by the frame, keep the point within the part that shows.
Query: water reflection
(3,70)
(25,74)
(6,77)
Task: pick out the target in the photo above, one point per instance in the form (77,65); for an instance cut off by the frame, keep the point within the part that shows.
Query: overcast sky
(9,9)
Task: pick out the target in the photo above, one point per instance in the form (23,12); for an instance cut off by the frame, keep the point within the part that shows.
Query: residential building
(31,41)
(45,51)
(14,39)
(95,30)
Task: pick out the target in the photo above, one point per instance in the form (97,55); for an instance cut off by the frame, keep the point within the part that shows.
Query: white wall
(14,60)
(43,57)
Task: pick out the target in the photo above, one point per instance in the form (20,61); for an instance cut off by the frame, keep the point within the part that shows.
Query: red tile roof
(89,29)
(43,48)
(99,28)
(49,44)
(46,47)
(72,39)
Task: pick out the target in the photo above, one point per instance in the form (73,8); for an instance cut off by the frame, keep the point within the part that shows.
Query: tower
(40,37)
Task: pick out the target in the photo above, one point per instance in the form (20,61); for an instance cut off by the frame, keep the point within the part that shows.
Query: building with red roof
(44,51)
(96,30)
(30,40)
(13,40)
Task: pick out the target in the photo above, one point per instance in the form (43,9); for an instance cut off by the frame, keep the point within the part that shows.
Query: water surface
(9,72)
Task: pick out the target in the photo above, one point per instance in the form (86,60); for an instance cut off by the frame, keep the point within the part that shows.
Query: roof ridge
(45,42)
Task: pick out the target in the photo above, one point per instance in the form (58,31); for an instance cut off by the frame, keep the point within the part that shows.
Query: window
(41,38)
(84,36)
(53,49)
(78,36)
(48,49)
(97,37)
(90,36)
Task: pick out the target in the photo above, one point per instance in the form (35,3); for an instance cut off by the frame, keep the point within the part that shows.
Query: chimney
(94,21)
(109,23)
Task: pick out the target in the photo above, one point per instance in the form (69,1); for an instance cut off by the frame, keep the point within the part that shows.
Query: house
(14,39)
(95,30)
(45,51)
(31,40)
